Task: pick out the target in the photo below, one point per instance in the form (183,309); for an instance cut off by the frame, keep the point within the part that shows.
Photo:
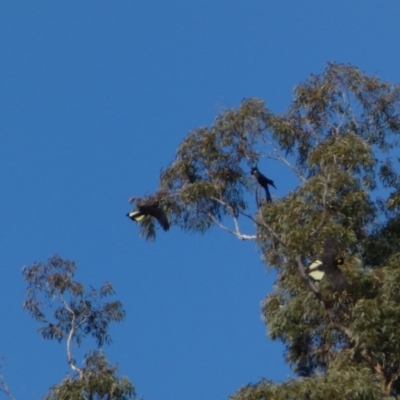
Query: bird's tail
(268,194)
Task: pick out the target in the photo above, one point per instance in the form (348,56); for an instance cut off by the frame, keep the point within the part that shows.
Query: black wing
(331,248)
(135,215)
(156,212)
(336,276)
(262,179)
(265,180)
(330,264)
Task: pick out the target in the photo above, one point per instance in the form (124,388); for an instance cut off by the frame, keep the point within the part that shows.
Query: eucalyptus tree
(68,313)
(339,139)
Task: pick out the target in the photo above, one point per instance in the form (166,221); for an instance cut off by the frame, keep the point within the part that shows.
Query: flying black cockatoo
(263,181)
(328,265)
(150,209)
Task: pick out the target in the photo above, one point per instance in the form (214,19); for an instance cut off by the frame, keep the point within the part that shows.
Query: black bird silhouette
(328,265)
(263,181)
(150,209)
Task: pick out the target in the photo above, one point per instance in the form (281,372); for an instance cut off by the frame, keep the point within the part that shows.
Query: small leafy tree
(66,312)
(340,139)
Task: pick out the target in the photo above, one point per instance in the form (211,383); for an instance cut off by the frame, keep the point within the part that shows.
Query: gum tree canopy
(340,139)
(68,313)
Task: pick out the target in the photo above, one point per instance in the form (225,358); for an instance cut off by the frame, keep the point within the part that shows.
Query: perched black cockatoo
(150,209)
(328,265)
(263,181)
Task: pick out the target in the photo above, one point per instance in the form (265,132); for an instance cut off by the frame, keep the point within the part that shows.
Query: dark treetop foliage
(67,313)
(340,138)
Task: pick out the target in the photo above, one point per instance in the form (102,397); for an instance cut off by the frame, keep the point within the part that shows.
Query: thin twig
(239,235)
(235,221)
(5,389)
(287,163)
(323,219)
(279,157)
(219,201)
(264,224)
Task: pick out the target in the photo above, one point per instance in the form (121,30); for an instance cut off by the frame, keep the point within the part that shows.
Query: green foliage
(68,313)
(339,137)
(78,312)
(98,382)
(343,382)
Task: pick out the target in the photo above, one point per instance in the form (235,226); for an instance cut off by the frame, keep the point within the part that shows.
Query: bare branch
(70,358)
(264,224)
(239,235)
(242,236)
(71,361)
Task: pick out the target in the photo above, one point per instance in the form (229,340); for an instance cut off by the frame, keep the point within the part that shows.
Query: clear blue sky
(95,98)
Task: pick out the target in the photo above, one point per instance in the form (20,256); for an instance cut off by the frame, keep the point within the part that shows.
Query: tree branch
(378,369)
(239,235)
(323,219)
(287,163)
(264,225)
(304,274)
(4,387)
(393,380)
(277,156)
(71,361)
(339,327)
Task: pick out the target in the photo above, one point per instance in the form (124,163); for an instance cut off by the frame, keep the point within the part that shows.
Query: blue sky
(95,98)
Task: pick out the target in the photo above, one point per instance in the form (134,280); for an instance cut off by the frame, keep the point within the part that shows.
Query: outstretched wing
(135,215)
(161,217)
(270,181)
(158,213)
